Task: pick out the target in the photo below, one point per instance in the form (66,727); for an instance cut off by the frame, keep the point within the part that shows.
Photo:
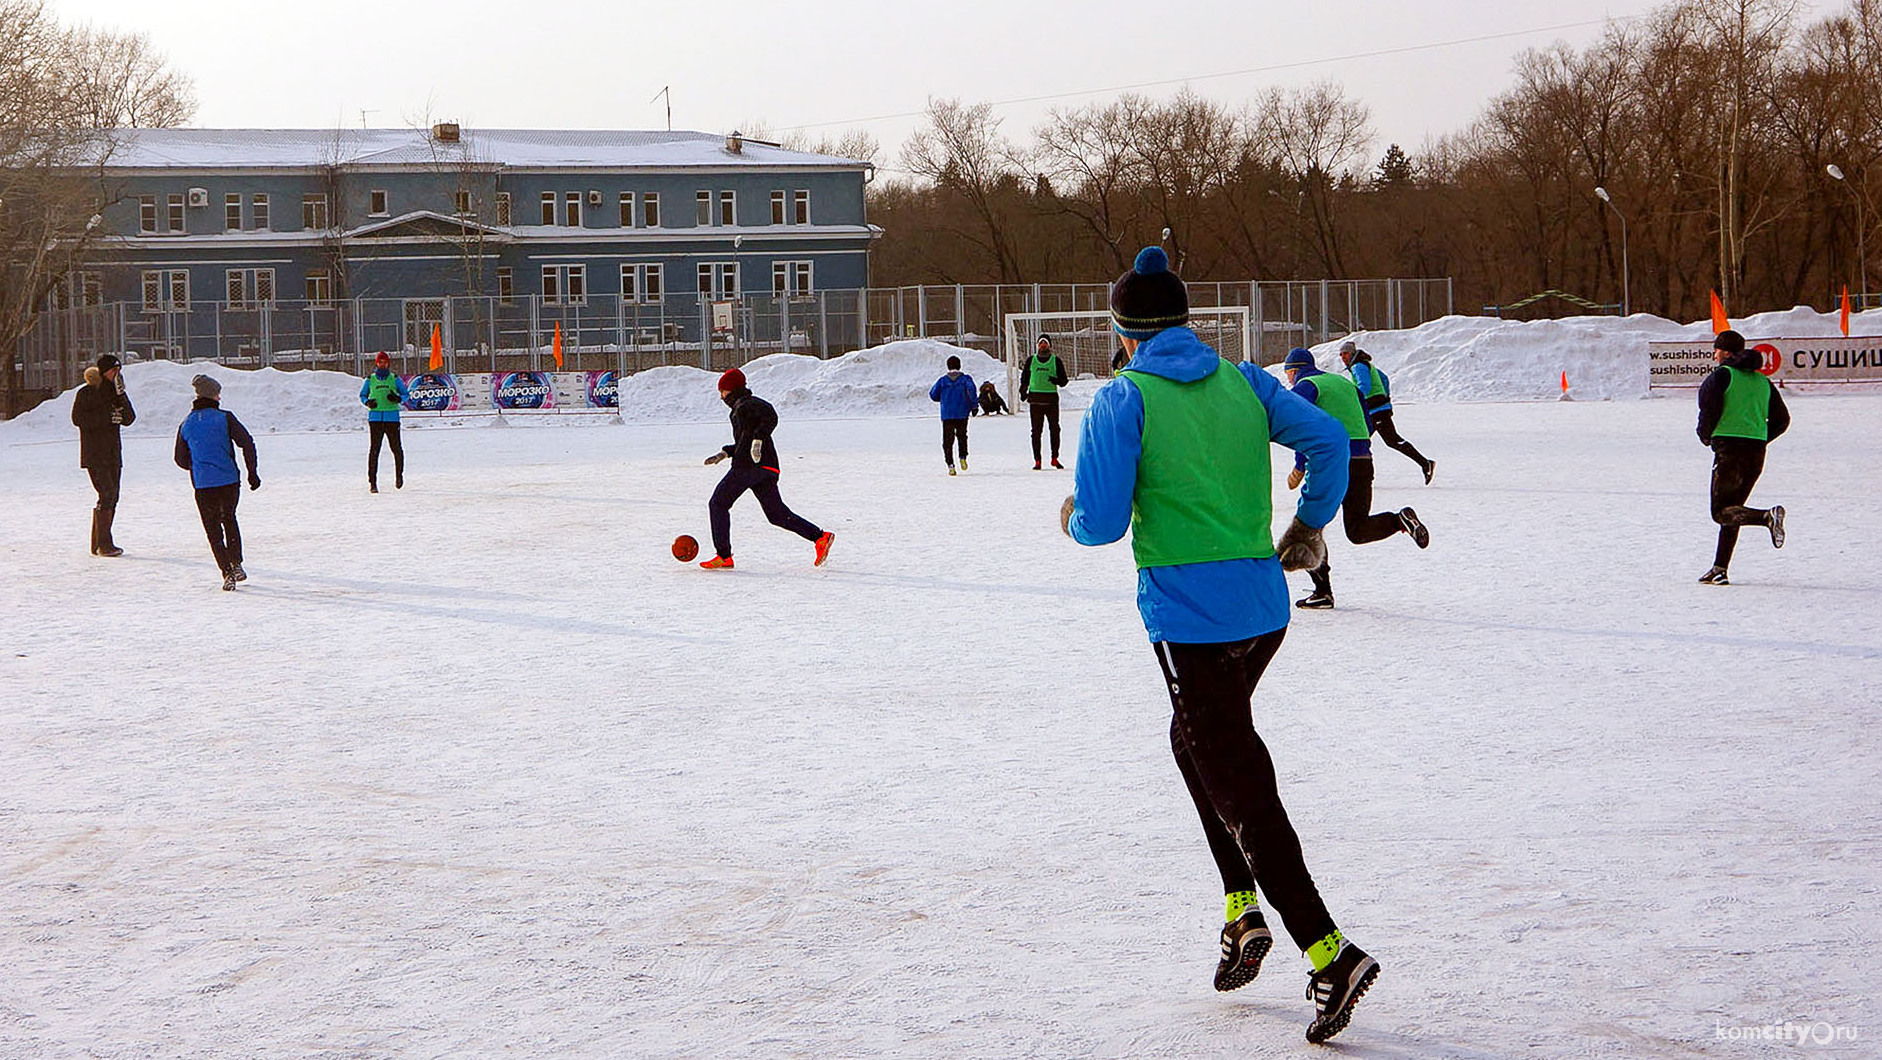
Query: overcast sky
(731,63)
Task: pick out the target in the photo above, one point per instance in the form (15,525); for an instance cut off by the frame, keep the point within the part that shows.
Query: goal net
(1085,342)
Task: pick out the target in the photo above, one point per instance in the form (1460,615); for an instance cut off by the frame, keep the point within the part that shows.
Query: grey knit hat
(206,387)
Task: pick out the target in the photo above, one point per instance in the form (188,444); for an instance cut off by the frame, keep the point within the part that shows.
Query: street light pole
(1862,244)
(1626,284)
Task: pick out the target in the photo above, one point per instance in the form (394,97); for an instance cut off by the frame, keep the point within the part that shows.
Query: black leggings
(763,484)
(217,507)
(387,430)
(1736,465)
(1363,526)
(1045,409)
(1381,424)
(951,430)
(1231,778)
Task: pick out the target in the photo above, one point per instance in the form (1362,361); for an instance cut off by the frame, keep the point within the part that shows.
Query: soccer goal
(1085,342)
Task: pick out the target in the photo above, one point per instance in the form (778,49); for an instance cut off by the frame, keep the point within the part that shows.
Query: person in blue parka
(383,393)
(205,447)
(959,397)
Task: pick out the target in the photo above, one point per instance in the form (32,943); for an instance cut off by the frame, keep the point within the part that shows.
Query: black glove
(1301,547)
(718,457)
(254,481)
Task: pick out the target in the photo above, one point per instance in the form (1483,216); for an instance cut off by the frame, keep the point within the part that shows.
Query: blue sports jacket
(390,415)
(205,446)
(1303,385)
(959,396)
(1199,603)
(1363,371)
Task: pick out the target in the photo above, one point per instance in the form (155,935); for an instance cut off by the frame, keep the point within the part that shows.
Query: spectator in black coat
(99,410)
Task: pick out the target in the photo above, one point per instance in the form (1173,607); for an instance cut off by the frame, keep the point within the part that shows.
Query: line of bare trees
(62,89)
(1712,125)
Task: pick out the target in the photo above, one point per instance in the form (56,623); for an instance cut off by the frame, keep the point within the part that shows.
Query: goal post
(1083,339)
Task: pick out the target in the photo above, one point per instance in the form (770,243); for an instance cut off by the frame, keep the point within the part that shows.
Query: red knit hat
(733,379)
(381,359)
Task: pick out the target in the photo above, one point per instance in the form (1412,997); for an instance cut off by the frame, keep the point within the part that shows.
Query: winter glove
(117,416)
(119,383)
(1301,547)
(716,458)
(1065,515)
(254,481)
(1294,478)
(757,450)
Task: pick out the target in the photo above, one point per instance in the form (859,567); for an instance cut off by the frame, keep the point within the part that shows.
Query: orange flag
(437,347)
(1846,311)
(1719,322)
(556,349)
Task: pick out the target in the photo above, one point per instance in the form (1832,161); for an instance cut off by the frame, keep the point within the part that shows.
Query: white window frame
(232,213)
(147,215)
(650,209)
(792,279)
(314,215)
(379,203)
(565,285)
(166,290)
(88,289)
(712,276)
(177,222)
(506,285)
(548,208)
(250,288)
(461,203)
(572,209)
(702,209)
(800,206)
(318,286)
(627,209)
(728,208)
(778,215)
(258,208)
(643,284)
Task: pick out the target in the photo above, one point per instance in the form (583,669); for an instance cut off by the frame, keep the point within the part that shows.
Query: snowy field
(475,769)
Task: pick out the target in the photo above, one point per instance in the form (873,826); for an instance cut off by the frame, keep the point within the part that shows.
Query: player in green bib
(1740,412)
(1039,381)
(1339,397)
(1175,452)
(383,393)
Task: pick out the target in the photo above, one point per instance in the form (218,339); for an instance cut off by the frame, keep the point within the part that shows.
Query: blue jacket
(1303,385)
(958,394)
(205,446)
(390,415)
(1199,603)
(1364,374)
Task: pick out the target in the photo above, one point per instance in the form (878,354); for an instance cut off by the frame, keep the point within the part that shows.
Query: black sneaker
(1244,943)
(1431,466)
(238,573)
(228,581)
(1777,526)
(1419,535)
(1316,601)
(399,482)
(1715,576)
(1335,989)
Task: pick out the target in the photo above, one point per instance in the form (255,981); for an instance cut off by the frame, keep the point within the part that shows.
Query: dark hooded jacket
(1712,397)
(98,411)
(753,419)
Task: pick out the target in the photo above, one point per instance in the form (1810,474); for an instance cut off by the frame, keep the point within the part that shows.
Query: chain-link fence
(487,334)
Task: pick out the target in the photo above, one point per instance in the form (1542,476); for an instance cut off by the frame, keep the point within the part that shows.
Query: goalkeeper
(1176,450)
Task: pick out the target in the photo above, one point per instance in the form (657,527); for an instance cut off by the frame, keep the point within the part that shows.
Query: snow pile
(888,380)
(267,401)
(1486,359)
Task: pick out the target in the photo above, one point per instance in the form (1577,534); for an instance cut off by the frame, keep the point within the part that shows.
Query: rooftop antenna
(362,116)
(667,91)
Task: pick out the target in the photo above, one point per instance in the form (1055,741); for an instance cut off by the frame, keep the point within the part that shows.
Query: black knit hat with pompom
(1149,298)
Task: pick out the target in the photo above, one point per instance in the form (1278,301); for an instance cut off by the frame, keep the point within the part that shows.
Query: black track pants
(1736,465)
(217,507)
(106,481)
(1045,409)
(387,431)
(1363,526)
(763,484)
(952,431)
(1381,424)
(1231,778)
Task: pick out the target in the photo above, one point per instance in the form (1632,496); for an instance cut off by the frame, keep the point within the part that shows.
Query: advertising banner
(1825,360)
(522,390)
(604,390)
(432,392)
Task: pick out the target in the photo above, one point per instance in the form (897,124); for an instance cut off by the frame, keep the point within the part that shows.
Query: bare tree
(961,152)
(119,82)
(1319,135)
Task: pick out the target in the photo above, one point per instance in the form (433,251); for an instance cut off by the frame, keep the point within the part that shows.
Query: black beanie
(1149,298)
(1729,341)
(106,362)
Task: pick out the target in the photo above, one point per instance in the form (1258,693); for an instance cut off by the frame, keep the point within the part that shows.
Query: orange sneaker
(718,563)
(823,547)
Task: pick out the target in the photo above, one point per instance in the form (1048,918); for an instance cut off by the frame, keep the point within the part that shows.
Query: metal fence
(486,334)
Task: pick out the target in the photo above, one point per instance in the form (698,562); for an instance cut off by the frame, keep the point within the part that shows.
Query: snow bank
(1485,359)
(267,401)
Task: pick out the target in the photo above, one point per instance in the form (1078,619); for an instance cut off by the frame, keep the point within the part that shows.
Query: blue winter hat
(1299,357)
(1149,298)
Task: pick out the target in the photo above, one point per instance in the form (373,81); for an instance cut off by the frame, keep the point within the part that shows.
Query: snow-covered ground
(476,769)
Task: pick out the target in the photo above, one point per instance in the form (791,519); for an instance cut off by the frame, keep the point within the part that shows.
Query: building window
(319,287)
(572,209)
(503,208)
(462,203)
(314,212)
(642,283)
(506,284)
(800,207)
(548,207)
(702,208)
(250,288)
(147,214)
(790,278)
(627,209)
(718,279)
(176,214)
(260,210)
(565,284)
(380,203)
(650,209)
(232,213)
(166,290)
(777,207)
(88,288)
(728,208)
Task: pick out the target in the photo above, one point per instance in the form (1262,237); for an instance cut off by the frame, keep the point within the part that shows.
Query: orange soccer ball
(685,548)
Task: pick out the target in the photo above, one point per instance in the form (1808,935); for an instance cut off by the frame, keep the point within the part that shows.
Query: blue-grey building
(356,240)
